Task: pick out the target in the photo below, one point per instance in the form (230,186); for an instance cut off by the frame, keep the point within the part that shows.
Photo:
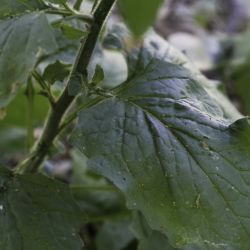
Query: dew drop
(1,207)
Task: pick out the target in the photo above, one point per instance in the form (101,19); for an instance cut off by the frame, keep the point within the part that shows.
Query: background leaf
(139,14)
(14,7)
(168,146)
(13,127)
(148,238)
(35,38)
(38,213)
(114,235)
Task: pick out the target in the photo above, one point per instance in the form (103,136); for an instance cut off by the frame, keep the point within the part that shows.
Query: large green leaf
(166,143)
(139,14)
(37,213)
(23,39)
(14,7)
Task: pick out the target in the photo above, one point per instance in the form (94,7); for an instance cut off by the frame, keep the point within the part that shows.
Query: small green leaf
(165,142)
(57,71)
(139,14)
(23,40)
(37,213)
(70,32)
(98,75)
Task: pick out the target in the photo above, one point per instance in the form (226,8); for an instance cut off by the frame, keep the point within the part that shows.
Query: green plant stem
(66,13)
(51,129)
(44,87)
(68,120)
(77,4)
(30,113)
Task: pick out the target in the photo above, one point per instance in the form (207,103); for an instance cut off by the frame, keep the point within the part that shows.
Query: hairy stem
(51,129)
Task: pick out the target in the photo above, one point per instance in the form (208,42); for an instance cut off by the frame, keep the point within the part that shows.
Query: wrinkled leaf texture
(174,152)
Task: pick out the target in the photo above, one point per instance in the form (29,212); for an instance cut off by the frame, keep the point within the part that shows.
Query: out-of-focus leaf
(37,213)
(13,127)
(14,7)
(242,50)
(139,14)
(117,37)
(23,40)
(148,238)
(240,76)
(114,235)
(165,142)
(194,48)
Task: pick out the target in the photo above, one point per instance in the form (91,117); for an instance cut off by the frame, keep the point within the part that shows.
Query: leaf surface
(165,142)
(37,213)
(23,40)
(14,7)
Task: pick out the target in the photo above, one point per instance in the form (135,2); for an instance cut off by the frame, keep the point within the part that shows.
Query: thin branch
(32,163)
(78,4)
(44,87)
(30,113)
(70,15)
